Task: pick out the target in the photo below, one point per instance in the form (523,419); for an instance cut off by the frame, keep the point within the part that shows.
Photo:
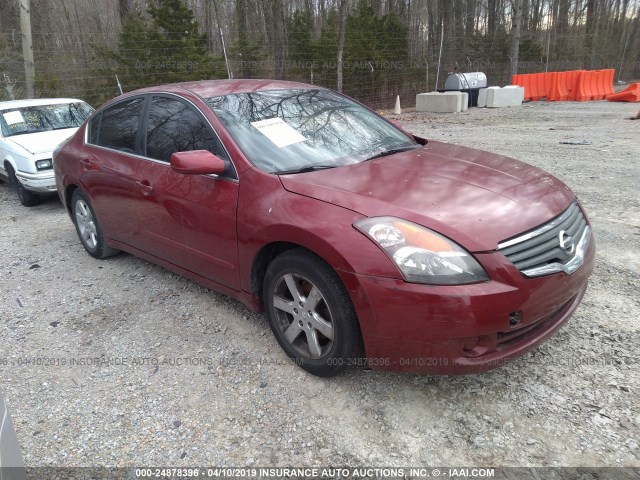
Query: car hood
(42,142)
(474,197)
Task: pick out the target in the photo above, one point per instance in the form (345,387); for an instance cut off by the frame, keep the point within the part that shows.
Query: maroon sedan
(359,240)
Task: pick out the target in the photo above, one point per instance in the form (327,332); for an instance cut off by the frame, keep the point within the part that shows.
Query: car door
(188,220)
(109,164)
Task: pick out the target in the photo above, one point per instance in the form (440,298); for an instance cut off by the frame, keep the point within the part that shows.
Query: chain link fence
(70,64)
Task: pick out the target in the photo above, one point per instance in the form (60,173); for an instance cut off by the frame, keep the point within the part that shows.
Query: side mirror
(197,162)
(419,140)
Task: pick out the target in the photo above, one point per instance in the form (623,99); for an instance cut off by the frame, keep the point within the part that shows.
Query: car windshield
(286,131)
(42,118)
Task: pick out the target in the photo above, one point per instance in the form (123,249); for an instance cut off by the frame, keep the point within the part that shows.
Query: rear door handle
(86,163)
(145,187)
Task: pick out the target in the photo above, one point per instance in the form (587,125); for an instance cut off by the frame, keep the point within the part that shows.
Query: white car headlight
(44,164)
(422,255)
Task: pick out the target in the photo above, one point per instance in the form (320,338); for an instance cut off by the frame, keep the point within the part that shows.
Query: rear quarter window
(117,126)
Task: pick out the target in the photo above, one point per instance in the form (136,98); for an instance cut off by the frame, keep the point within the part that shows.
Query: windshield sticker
(13,117)
(279,132)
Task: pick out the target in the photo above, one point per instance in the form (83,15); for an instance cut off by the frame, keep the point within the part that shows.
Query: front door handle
(145,187)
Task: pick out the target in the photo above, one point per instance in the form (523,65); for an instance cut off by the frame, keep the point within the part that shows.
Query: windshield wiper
(392,151)
(308,168)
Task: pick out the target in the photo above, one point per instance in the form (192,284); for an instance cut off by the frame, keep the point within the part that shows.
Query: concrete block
(458,96)
(509,96)
(482,98)
(491,94)
(465,101)
(447,102)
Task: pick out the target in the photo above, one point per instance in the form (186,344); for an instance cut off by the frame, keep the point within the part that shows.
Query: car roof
(214,88)
(36,102)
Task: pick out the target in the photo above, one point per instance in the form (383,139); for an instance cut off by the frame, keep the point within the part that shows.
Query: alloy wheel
(303,316)
(86,224)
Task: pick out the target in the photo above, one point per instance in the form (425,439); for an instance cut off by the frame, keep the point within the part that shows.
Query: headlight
(422,255)
(44,164)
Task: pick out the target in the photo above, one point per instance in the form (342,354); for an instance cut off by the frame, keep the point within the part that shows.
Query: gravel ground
(205,382)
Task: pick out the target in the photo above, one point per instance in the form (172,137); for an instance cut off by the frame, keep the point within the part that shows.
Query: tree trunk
(590,29)
(516,31)
(275,28)
(525,15)
(536,16)
(27,47)
(124,9)
(562,28)
(491,16)
(458,25)
(469,28)
(342,26)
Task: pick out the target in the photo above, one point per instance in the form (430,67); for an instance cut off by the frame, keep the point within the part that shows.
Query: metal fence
(69,64)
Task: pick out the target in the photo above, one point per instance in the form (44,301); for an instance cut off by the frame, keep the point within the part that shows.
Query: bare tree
(124,9)
(342,26)
(515,36)
(27,47)
(67,36)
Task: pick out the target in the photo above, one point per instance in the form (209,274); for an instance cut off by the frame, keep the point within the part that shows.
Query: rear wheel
(27,198)
(88,227)
(310,313)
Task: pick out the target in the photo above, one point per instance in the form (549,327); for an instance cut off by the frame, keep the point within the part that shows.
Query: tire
(310,313)
(27,198)
(88,228)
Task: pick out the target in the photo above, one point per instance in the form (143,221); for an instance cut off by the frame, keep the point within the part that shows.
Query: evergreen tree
(248,54)
(376,49)
(162,45)
(301,44)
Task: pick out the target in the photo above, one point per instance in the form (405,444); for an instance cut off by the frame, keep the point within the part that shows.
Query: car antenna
(119,86)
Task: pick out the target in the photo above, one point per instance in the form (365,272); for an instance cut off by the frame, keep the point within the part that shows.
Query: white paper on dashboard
(13,117)
(279,132)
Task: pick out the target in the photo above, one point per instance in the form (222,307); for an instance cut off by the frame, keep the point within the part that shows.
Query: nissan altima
(363,244)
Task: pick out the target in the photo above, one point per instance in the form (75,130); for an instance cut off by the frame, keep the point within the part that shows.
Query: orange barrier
(558,90)
(606,82)
(629,94)
(547,82)
(536,85)
(564,85)
(541,84)
(583,91)
(572,80)
(576,85)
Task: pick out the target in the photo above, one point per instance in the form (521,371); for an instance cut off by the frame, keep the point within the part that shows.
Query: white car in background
(29,132)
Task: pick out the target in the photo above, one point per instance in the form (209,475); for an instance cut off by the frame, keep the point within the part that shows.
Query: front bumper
(41,182)
(464,328)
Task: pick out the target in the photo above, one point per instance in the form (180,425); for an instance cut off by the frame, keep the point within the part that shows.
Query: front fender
(9,160)
(321,227)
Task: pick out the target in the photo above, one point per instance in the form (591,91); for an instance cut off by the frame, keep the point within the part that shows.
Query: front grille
(558,245)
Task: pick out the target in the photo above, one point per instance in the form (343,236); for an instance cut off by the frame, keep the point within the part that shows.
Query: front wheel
(310,313)
(88,227)
(27,198)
